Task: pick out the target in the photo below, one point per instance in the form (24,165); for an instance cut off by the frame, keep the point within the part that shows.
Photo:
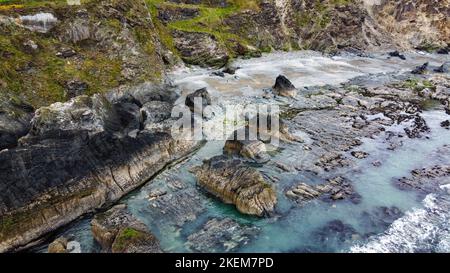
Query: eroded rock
(284,87)
(221,235)
(118,231)
(236,183)
(335,189)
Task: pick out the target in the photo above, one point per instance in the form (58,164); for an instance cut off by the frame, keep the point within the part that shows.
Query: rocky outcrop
(118,231)
(15,117)
(58,246)
(221,235)
(413,24)
(234,182)
(82,155)
(200,49)
(284,87)
(170,13)
(204,98)
(335,189)
(426,180)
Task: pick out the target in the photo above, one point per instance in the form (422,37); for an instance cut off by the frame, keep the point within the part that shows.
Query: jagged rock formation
(421,24)
(118,231)
(82,155)
(234,182)
(335,189)
(284,87)
(15,116)
(219,235)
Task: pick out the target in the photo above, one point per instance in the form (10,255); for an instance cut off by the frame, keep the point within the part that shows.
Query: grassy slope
(44,82)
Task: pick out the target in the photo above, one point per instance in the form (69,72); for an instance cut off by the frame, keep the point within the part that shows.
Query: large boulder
(58,246)
(118,231)
(234,182)
(284,87)
(201,94)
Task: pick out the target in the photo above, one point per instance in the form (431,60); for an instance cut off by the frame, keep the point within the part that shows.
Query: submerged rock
(284,87)
(446,124)
(426,180)
(221,235)
(420,69)
(120,232)
(236,183)
(359,154)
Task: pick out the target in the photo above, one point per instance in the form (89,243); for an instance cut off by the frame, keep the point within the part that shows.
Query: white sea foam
(420,230)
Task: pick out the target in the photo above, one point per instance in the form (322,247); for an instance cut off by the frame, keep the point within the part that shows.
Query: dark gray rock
(169,14)
(444,68)
(75,88)
(284,87)
(15,118)
(200,49)
(397,54)
(78,156)
(201,94)
(421,69)
(221,235)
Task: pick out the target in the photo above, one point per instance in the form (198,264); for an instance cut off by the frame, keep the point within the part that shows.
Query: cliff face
(422,24)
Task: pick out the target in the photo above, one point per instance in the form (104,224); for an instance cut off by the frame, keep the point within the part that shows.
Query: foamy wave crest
(421,230)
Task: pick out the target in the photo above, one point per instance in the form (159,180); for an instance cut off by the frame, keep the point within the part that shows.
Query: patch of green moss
(416,84)
(125,237)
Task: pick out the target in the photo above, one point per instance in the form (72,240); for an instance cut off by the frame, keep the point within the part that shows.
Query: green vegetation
(125,237)
(209,21)
(416,84)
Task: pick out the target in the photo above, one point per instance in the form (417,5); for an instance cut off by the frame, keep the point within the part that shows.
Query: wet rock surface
(236,183)
(426,180)
(221,235)
(118,231)
(334,189)
(204,98)
(284,87)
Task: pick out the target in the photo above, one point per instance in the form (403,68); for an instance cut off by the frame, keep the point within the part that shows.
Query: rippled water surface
(312,227)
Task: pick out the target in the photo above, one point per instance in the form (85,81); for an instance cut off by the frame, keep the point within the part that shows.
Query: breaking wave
(424,229)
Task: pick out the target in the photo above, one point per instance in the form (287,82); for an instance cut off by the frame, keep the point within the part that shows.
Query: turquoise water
(294,228)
